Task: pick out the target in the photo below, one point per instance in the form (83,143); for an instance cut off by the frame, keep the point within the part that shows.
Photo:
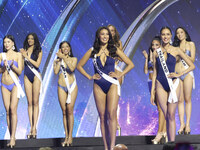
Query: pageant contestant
(65,65)
(165,84)
(148,68)
(32,54)
(106,86)
(11,68)
(118,44)
(183,41)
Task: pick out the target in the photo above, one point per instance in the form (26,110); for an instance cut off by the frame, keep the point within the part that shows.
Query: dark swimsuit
(107,68)
(171,62)
(27,71)
(9,87)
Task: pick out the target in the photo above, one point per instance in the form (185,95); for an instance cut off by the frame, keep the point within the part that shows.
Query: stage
(91,143)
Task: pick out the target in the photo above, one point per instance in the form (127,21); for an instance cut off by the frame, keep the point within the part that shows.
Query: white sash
(106,77)
(70,89)
(191,72)
(37,74)
(20,91)
(169,80)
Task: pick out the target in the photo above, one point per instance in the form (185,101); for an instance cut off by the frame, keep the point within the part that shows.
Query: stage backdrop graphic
(136,115)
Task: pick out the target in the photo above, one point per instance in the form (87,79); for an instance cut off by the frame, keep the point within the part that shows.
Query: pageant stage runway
(96,143)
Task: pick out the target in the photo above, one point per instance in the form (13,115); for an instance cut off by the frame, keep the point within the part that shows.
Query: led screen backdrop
(48,20)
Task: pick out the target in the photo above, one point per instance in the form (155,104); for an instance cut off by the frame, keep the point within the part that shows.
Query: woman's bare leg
(28,90)
(6,100)
(70,114)
(188,83)
(36,93)
(112,103)
(100,99)
(13,108)
(181,109)
(62,96)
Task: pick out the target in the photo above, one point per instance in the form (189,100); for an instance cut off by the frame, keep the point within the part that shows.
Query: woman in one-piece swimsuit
(105,92)
(160,85)
(148,68)
(32,53)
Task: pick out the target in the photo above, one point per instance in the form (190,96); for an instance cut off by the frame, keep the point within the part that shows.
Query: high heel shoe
(34,134)
(29,136)
(181,130)
(69,141)
(12,144)
(158,138)
(65,142)
(165,137)
(119,130)
(187,130)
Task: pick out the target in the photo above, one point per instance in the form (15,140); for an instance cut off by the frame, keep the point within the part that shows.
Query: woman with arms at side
(183,41)
(32,54)
(106,86)
(11,68)
(67,87)
(165,84)
(148,68)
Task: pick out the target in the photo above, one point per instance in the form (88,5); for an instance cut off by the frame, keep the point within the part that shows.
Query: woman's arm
(2,68)
(37,62)
(18,69)
(187,60)
(127,61)
(153,79)
(33,62)
(193,51)
(71,62)
(120,45)
(146,61)
(56,66)
(82,62)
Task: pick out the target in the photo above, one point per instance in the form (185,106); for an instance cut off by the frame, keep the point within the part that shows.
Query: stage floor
(96,143)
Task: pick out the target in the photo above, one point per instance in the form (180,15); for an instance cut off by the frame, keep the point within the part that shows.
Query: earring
(13,47)
(69,53)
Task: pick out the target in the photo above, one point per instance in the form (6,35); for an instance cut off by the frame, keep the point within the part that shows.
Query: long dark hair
(97,44)
(71,54)
(157,38)
(37,48)
(12,39)
(177,42)
(166,27)
(116,38)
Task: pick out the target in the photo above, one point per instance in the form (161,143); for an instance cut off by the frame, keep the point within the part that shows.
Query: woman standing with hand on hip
(65,65)
(183,41)
(32,54)
(11,68)
(118,44)
(106,86)
(165,82)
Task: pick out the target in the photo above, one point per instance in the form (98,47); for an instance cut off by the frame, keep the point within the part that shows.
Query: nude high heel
(69,141)
(158,138)
(64,144)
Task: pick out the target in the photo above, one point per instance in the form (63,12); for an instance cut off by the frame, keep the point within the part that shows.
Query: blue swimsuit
(9,87)
(171,62)
(187,52)
(107,68)
(27,71)
(65,87)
